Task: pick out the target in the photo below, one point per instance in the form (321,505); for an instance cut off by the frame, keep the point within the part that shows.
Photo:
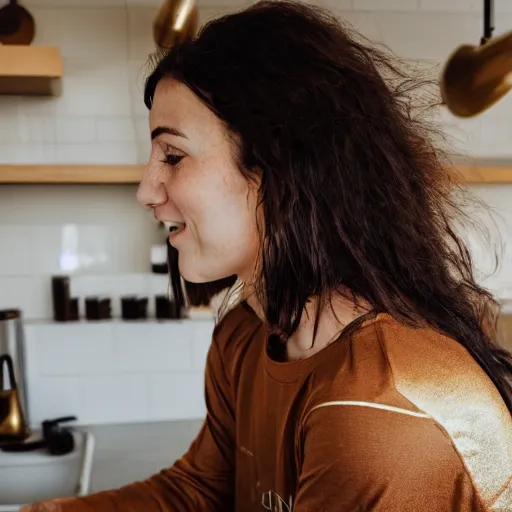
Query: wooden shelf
(486,173)
(30,70)
(120,174)
(70,174)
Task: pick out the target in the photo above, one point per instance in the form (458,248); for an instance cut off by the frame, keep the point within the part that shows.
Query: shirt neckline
(291,371)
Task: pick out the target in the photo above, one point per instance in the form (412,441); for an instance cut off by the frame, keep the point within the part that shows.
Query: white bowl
(28,477)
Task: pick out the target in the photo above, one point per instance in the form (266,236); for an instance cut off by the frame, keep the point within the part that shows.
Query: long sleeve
(203,479)
(361,458)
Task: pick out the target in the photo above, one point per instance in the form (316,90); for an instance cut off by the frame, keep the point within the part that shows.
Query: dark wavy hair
(354,191)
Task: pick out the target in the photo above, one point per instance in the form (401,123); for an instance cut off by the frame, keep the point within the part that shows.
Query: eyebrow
(165,129)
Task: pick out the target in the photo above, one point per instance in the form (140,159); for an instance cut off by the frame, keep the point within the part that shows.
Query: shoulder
(235,331)
(418,395)
(236,323)
(430,370)
(437,373)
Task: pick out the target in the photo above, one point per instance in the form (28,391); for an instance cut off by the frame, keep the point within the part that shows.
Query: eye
(172,159)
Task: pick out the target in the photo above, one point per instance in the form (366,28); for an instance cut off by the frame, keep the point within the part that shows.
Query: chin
(194,274)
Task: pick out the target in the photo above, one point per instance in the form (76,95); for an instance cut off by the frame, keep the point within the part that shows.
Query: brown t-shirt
(390,418)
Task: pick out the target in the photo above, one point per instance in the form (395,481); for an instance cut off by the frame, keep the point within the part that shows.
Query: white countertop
(131,452)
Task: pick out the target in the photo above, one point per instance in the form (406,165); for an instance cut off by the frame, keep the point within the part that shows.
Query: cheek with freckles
(222,222)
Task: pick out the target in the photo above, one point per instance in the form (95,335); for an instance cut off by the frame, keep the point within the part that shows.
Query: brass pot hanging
(476,77)
(176,22)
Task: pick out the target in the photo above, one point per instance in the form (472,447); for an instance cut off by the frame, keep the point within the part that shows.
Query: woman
(359,371)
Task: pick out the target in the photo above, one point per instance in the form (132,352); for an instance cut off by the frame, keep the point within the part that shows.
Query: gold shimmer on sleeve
(440,377)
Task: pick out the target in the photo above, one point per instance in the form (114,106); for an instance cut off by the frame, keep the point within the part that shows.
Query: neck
(336,313)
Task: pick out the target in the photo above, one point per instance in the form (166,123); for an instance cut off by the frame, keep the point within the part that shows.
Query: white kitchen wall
(116,372)
(90,369)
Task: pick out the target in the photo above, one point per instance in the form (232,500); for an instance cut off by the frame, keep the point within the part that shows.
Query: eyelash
(172,160)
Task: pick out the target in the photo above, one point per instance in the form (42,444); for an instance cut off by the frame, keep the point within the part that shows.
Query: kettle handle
(6,358)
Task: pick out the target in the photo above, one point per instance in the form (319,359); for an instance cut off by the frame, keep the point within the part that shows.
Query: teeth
(174,226)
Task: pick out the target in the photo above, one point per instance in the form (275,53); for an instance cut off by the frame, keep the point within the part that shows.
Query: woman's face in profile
(192,180)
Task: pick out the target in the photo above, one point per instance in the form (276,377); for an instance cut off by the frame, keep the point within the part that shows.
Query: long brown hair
(354,192)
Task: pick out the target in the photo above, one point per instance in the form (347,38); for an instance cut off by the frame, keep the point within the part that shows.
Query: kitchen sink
(36,476)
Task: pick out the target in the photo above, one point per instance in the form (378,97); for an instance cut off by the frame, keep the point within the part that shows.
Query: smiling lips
(174,227)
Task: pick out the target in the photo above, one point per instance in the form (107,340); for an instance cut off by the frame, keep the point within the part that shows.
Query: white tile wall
(94,231)
(153,347)
(117,371)
(69,349)
(379,5)
(131,372)
(31,294)
(176,396)
(452,5)
(112,398)
(75,129)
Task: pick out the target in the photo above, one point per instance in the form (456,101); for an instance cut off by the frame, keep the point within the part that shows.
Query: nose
(151,191)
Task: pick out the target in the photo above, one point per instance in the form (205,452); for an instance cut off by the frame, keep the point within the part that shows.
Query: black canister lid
(9,314)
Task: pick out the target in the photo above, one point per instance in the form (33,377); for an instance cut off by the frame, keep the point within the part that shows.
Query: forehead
(174,103)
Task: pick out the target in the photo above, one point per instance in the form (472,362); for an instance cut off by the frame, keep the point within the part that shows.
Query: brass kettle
(175,23)
(13,426)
